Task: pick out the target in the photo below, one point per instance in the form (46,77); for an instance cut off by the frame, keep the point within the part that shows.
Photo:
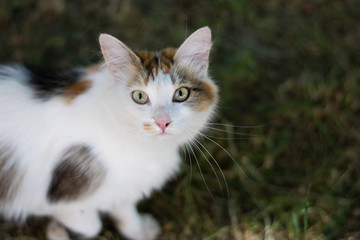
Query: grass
(289,69)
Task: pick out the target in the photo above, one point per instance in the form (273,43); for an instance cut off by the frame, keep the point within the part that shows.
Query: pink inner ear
(114,51)
(118,57)
(196,49)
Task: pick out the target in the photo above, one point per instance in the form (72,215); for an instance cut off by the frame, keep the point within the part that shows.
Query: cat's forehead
(154,62)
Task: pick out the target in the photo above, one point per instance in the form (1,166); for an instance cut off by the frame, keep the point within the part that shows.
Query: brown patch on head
(203,94)
(152,62)
(167,59)
(76,89)
(77,175)
(9,179)
(149,62)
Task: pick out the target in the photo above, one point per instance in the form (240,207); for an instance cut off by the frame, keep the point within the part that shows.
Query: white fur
(111,123)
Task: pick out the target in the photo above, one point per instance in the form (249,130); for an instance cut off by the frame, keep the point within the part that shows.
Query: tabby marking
(153,61)
(74,90)
(77,175)
(202,94)
(48,83)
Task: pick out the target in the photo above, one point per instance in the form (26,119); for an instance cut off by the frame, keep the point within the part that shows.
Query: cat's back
(34,83)
(40,114)
(13,83)
(28,98)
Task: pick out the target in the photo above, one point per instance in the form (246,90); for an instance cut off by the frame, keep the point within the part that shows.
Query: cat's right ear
(120,60)
(195,51)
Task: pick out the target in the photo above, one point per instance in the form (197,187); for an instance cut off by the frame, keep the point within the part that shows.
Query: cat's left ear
(195,51)
(120,60)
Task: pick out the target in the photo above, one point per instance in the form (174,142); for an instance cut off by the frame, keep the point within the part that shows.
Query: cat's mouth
(163,134)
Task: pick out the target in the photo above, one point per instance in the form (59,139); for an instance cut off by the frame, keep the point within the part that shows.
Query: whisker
(187,152)
(231,157)
(229,138)
(232,132)
(218,166)
(201,173)
(211,166)
(237,126)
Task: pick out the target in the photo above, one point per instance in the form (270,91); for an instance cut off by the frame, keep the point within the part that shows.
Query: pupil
(140,96)
(180,93)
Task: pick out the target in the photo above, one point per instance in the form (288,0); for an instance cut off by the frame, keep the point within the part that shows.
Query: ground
(287,138)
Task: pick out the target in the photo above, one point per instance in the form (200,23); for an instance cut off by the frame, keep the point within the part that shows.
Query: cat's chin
(170,138)
(163,135)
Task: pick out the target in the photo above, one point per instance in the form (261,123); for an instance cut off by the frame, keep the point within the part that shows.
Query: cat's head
(169,93)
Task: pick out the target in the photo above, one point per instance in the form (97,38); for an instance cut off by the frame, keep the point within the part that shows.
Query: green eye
(140,97)
(181,94)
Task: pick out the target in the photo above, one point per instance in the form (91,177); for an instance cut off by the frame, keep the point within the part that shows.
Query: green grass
(290,68)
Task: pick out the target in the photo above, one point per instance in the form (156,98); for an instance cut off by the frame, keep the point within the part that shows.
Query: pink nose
(163,124)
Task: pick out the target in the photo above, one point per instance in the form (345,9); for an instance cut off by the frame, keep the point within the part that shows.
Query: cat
(99,139)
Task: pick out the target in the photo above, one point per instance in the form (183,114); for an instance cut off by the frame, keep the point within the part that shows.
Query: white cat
(99,139)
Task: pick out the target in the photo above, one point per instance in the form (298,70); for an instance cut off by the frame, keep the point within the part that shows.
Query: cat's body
(100,139)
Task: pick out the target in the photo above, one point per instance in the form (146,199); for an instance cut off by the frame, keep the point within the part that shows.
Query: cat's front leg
(135,226)
(69,223)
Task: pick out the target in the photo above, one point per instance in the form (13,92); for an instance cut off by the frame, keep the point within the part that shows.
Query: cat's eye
(140,97)
(181,94)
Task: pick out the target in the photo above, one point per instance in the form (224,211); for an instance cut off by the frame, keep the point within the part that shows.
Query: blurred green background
(289,74)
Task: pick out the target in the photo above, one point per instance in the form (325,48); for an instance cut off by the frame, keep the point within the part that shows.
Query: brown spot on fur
(167,59)
(149,62)
(77,175)
(202,94)
(153,61)
(74,90)
(149,127)
(8,175)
